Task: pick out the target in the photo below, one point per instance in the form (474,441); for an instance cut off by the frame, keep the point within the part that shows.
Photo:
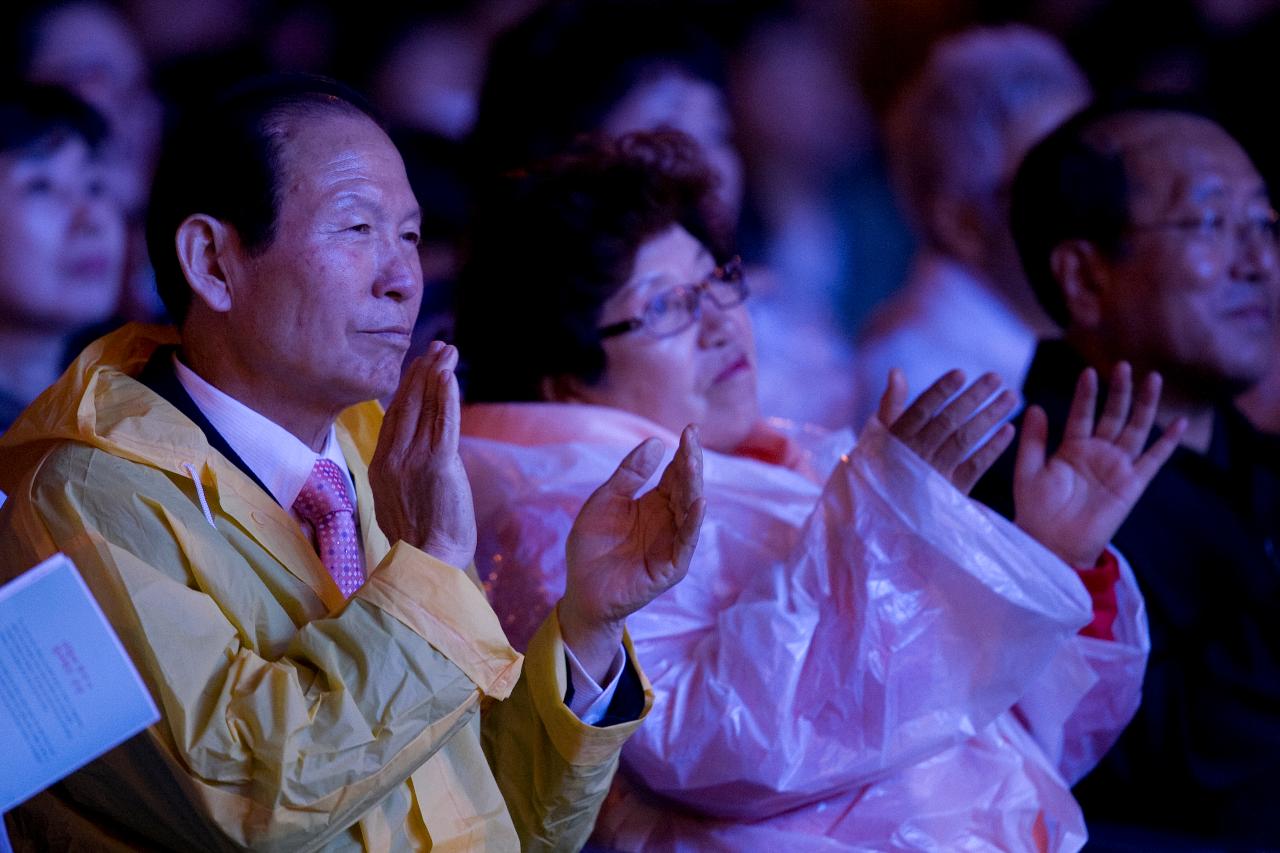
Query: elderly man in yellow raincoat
(334,683)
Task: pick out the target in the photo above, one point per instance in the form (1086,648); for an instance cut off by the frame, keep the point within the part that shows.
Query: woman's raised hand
(947,428)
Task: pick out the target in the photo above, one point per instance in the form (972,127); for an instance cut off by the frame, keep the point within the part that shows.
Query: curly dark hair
(555,242)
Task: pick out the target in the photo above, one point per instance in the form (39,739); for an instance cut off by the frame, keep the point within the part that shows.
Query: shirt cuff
(1100,580)
(587,700)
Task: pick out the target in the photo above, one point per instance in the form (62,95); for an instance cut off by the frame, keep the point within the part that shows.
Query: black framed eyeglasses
(676,309)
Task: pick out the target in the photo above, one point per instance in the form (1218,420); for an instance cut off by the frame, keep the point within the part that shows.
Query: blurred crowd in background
(865,154)
(864,147)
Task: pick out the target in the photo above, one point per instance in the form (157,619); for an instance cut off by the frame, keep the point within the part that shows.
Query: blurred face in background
(431,79)
(796,106)
(90,49)
(672,98)
(704,374)
(62,255)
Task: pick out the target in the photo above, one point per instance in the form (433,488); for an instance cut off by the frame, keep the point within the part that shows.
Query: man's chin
(1232,380)
(1242,383)
(383,391)
(377,385)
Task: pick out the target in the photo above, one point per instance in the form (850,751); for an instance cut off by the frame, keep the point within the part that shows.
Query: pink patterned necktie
(324,504)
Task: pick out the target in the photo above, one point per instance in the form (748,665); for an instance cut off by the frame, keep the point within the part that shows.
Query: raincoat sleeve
(1079,705)
(554,777)
(280,738)
(803,657)
(903,619)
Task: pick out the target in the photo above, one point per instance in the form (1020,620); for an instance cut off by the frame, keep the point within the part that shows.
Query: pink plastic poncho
(861,658)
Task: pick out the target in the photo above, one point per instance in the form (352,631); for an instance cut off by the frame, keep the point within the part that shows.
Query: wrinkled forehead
(323,150)
(304,132)
(1174,160)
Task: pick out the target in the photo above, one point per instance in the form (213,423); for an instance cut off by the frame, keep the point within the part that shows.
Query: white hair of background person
(947,130)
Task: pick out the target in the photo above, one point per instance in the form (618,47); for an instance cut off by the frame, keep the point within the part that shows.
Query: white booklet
(68,691)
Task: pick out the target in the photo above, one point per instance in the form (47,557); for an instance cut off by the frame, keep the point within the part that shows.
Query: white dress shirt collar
(283,463)
(276,456)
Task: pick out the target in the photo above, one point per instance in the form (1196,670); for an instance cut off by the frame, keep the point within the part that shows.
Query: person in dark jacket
(1150,237)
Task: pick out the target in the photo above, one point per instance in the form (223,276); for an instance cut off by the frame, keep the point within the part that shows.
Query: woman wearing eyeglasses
(860,657)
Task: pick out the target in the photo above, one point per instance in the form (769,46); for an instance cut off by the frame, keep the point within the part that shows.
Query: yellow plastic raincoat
(291,719)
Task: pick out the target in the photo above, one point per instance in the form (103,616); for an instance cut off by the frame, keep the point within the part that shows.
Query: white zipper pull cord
(204,504)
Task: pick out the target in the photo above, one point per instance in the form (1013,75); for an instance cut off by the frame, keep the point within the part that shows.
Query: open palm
(624,551)
(420,488)
(1074,501)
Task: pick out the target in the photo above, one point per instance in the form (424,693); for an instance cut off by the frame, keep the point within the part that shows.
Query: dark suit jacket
(1202,756)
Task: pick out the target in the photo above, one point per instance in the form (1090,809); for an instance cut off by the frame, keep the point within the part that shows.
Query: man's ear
(205,245)
(1082,273)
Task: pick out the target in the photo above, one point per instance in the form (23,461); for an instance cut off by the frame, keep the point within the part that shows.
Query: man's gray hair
(947,130)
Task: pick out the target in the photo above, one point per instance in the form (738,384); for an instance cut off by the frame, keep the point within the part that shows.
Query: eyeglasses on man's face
(677,308)
(1214,226)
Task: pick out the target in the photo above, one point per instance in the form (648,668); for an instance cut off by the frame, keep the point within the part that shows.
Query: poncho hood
(98,401)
